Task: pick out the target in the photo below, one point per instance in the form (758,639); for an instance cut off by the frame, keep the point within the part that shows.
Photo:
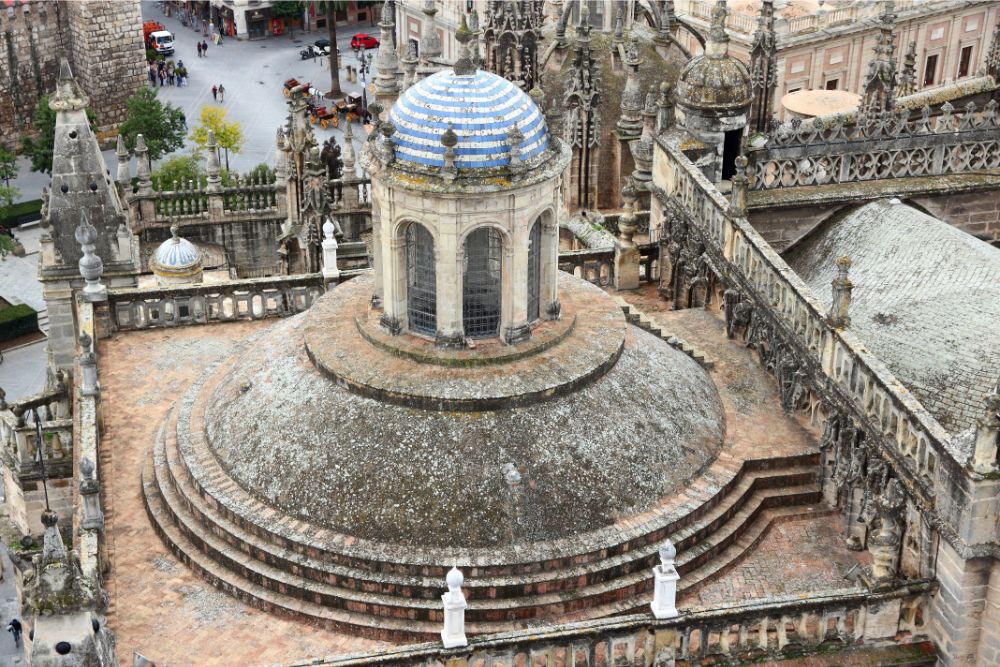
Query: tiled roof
(481,108)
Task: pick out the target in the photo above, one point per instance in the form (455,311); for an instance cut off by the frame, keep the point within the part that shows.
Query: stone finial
(330,270)
(628,222)
(430,42)
(453,634)
(908,75)
(386,60)
(213,165)
(142,169)
(91,266)
(53,547)
(464,65)
(665,117)
(387,129)
(68,96)
(349,156)
(93,517)
(665,579)
(717,45)
(449,140)
(123,175)
(409,62)
(987,442)
(738,198)
(842,287)
(619,34)
(514,139)
(88,367)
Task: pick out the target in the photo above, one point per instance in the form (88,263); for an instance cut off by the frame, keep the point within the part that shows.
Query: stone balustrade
(896,144)
(746,24)
(596,265)
(19,439)
(253,299)
(755,631)
(89,536)
(932,469)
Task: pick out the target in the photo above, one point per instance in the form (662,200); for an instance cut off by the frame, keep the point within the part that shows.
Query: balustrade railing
(896,144)
(746,24)
(911,436)
(760,631)
(596,266)
(253,299)
(19,437)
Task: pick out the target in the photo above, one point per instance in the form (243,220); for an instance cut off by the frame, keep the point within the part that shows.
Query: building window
(794,90)
(470,5)
(965,61)
(833,84)
(421,280)
(481,283)
(534,269)
(930,70)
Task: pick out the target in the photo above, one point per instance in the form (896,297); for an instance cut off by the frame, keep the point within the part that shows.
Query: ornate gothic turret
(386,62)
(763,68)
(511,32)
(582,118)
(880,84)
(630,122)
(430,41)
(908,75)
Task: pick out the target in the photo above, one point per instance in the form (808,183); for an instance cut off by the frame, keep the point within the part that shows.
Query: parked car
(363,41)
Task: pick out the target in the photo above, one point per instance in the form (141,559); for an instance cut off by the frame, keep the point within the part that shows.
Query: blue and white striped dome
(176,254)
(482,108)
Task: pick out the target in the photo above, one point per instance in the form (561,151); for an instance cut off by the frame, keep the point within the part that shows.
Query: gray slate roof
(926,301)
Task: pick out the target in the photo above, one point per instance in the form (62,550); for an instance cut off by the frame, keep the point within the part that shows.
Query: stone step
(369,601)
(705,514)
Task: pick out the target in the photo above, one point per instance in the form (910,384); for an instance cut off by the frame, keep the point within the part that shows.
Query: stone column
(518,330)
(449,260)
(394,281)
(549,292)
(626,252)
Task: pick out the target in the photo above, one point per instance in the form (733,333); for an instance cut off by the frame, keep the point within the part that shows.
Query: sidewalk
(9,608)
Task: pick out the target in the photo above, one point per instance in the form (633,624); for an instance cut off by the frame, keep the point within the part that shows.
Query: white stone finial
(665,577)
(90,264)
(330,270)
(453,634)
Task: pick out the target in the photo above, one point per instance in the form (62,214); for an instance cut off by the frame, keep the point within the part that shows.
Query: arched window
(421,281)
(534,269)
(481,283)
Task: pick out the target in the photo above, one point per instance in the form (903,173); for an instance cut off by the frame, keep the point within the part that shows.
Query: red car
(363,41)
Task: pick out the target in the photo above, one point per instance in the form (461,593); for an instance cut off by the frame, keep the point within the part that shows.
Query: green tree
(39,149)
(180,169)
(228,134)
(8,195)
(288,11)
(161,124)
(8,166)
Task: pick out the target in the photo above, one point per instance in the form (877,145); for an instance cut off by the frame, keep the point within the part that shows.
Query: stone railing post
(453,634)
(665,576)
(330,270)
(627,255)
(984,456)
(842,287)
(88,367)
(93,517)
(738,197)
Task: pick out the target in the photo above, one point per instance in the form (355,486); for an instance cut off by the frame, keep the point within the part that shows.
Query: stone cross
(665,576)
(453,634)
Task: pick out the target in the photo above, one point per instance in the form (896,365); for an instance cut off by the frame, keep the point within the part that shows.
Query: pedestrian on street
(163,77)
(222,93)
(151,71)
(14,627)
(199,49)
(204,48)
(215,93)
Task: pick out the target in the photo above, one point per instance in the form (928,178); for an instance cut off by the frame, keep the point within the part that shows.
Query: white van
(162,42)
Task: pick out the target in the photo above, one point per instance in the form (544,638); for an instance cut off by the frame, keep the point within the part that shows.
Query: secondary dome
(482,110)
(715,81)
(176,260)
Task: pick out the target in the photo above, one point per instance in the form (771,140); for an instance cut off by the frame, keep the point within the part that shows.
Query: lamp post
(365,59)
(40,445)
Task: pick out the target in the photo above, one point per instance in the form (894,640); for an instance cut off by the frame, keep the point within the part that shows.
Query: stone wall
(977,213)
(103,41)
(29,63)
(108,56)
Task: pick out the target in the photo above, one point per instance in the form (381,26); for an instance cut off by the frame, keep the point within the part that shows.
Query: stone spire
(142,170)
(409,62)
(619,34)
(842,286)
(717,45)
(763,68)
(349,156)
(908,75)
(464,66)
(630,122)
(880,83)
(386,62)
(430,42)
(213,167)
(123,175)
(68,96)
(582,122)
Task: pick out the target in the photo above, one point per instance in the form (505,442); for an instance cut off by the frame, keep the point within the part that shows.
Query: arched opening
(481,283)
(534,269)
(421,280)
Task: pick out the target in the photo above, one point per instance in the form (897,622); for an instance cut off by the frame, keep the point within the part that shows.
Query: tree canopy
(161,124)
(228,134)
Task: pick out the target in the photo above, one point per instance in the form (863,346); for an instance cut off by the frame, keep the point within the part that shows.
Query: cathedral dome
(714,84)
(482,110)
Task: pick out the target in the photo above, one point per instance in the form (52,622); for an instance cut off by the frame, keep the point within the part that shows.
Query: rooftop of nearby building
(930,316)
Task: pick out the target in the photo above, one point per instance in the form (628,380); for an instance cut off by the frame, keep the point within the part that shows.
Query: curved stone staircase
(284,565)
